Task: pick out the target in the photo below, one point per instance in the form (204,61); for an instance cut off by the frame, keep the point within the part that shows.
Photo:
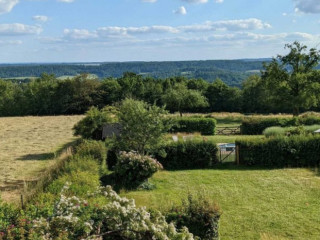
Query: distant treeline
(49,96)
(232,72)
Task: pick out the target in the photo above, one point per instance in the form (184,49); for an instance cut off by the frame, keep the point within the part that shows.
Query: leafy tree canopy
(292,79)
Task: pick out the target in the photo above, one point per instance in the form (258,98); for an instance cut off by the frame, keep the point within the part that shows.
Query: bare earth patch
(27,147)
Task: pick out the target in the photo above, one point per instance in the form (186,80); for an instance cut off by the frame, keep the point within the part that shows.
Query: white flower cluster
(119,217)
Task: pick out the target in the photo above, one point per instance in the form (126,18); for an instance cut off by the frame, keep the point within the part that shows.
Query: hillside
(232,72)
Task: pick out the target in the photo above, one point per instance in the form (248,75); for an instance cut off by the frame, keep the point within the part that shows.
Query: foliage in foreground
(132,169)
(199,215)
(295,151)
(74,218)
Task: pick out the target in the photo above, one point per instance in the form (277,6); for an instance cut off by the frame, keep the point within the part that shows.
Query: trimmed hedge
(206,126)
(179,155)
(256,126)
(296,151)
(188,155)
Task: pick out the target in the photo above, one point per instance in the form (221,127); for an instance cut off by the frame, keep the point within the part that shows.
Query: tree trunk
(296,111)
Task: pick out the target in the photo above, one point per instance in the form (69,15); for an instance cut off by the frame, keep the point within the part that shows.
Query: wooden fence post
(22,203)
(237,155)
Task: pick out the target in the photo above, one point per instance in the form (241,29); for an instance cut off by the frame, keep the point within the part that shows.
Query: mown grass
(28,146)
(256,203)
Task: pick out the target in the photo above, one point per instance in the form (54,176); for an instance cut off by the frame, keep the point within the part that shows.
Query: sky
(153,30)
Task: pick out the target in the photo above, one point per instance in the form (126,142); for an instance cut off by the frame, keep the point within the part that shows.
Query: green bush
(199,215)
(294,151)
(206,126)
(90,127)
(256,126)
(92,149)
(289,131)
(132,169)
(187,155)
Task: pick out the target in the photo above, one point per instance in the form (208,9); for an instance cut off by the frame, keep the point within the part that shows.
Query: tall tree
(291,78)
(180,99)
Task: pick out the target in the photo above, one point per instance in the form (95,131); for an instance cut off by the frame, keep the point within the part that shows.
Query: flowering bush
(132,169)
(74,218)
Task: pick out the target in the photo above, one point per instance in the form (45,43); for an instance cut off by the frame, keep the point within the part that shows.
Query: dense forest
(232,72)
(48,96)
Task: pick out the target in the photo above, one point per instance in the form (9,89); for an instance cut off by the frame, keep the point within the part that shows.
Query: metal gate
(227,152)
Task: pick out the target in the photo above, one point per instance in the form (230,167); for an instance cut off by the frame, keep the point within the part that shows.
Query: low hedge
(256,126)
(206,126)
(295,151)
(187,155)
(179,155)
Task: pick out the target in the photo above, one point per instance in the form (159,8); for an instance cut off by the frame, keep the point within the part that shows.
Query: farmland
(27,147)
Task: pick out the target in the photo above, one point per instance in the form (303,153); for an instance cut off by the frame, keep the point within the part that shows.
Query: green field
(256,203)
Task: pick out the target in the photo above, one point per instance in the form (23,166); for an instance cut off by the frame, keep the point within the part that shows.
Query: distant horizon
(142,61)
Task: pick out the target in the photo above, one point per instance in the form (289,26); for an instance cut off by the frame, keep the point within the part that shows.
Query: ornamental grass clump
(132,169)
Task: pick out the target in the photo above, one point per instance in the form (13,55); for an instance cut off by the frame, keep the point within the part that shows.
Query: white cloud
(40,18)
(149,1)
(219,1)
(195,1)
(228,25)
(66,1)
(7,5)
(181,11)
(307,6)
(242,24)
(10,42)
(79,34)
(18,29)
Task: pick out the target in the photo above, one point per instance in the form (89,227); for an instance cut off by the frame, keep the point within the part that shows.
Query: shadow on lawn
(50,155)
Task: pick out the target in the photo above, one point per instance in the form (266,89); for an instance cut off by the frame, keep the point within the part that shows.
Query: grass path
(256,204)
(27,147)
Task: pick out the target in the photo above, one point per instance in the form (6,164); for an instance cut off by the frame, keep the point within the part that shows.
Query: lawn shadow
(37,157)
(50,155)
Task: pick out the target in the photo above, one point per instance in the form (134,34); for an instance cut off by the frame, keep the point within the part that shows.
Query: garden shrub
(256,126)
(90,127)
(294,151)
(82,182)
(199,215)
(289,131)
(132,169)
(93,149)
(206,126)
(76,218)
(194,154)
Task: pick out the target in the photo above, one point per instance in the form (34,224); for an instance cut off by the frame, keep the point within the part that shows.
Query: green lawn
(256,203)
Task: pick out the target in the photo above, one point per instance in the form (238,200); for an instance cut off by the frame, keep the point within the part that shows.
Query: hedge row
(296,151)
(256,126)
(187,155)
(206,126)
(179,155)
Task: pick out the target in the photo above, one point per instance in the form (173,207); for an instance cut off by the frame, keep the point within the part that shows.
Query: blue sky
(153,30)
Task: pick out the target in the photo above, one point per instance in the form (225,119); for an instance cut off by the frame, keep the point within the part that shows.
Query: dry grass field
(28,146)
